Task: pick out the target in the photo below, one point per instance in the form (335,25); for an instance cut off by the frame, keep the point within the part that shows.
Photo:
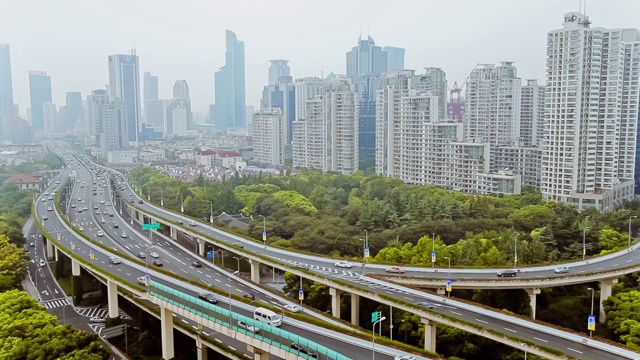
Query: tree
(532,217)
(13,265)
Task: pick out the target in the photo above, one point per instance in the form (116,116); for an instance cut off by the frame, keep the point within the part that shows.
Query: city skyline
(470,34)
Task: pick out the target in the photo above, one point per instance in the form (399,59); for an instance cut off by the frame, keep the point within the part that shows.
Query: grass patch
(65,284)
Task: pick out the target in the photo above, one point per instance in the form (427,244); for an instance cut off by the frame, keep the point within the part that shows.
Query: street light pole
(630,218)
(264,230)
(221,258)
(161,198)
(148,192)
(181,204)
(449,258)
(373,337)
(210,211)
(584,244)
(593,292)
(515,251)
(433,250)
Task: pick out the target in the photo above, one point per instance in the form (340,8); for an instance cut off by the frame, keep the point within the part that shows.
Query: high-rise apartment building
(269,137)
(150,87)
(492,105)
(281,95)
(40,93)
(591,115)
(74,110)
(124,83)
(306,88)
(434,82)
(93,111)
(277,69)
(115,124)
(6,84)
(455,106)
(155,113)
(395,58)
(230,106)
(326,138)
(532,113)
(50,117)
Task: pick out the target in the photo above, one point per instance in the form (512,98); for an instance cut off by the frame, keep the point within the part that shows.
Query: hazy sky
(70,39)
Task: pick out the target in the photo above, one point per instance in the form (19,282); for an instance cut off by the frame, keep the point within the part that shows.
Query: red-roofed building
(24,182)
(222,158)
(228,159)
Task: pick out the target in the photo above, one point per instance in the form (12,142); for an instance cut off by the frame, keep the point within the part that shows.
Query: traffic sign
(264,236)
(301,295)
(154,226)
(449,285)
(147,279)
(73,245)
(591,323)
(376,315)
(92,256)
(366,252)
(433,256)
(210,254)
(182,208)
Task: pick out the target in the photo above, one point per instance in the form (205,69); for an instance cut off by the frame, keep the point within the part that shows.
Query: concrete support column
(605,292)
(532,292)
(258,354)
(201,245)
(201,350)
(112,298)
(140,217)
(174,233)
(55,253)
(335,302)
(355,309)
(429,335)
(49,249)
(166,331)
(255,270)
(75,267)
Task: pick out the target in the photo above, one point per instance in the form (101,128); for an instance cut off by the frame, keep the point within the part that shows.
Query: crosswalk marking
(51,304)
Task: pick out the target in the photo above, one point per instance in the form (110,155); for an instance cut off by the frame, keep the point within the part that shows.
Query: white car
(81,228)
(141,280)
(123,235)
(42,263)
(243,325)
(344,264)
(192,223)
(293,307)
(97,319)
(561,270)
(404,357)
(100,233)
(114,260)
(154,254)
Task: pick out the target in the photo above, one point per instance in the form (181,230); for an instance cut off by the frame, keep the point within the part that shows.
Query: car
(240,245)
(395,269)
(123,235)
(103,221)
(97,212)
(243,325)
(73,206)
(141,280)
(180,222)
(81,228)
(304,350)
(45,217)
(196,264)
(301,265)
(405,357)
(96,207)
(42,263)
(43,200)
(157,262)
(142,255)
(110,214)
(154,255)
(249,296)
(114,260)
(101,201)
(97,320)
(49,208)
(426,304)
(192,223)
(344,264)
(561,269)
(506,273)
(32,244)
(116,226)
(85,208)
(208,297)
(293,307)
(108,204)
(140,201)
(100,233)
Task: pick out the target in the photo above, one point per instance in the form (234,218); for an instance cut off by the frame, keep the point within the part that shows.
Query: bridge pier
(257,353)
(75,267)
(201,246)
(173,233)
(140,217)
(429,335)
(605,292)
(255,270)
(335,302)
(355,309)
(166,331)
(112,298)
(49,249)
(201,350)
(533,292)
(55,253)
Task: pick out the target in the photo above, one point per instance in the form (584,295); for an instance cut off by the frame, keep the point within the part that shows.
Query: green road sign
(375,316)
(154,226)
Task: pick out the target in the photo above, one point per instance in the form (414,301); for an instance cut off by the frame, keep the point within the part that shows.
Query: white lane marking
(579,352)
(482,321)
(599,268)
(209,276)
(408,298)
(218,340)
(513,331)
(184,321)
(457,313)
(614,265)
(543,340)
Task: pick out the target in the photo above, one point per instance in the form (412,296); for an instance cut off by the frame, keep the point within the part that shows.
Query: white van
(267,316)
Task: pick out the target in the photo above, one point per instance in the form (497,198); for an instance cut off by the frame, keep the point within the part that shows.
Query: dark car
(140,201)
(428,305)
(304,350)
(196,264)
(507,273)
(249,296)
(157,262)
(208,297)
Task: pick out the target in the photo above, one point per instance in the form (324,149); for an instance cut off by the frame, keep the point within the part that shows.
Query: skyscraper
(269,137)
(93,112)
(181,89)
(278,68)
(150,87)
(124,84)
(6,84)
(434,81)
(366,58)
(395,58)
(281,95)
(74,110)
(50,117)
(492,105)
(532,113)
(591,114)
(229,81)
(40,93)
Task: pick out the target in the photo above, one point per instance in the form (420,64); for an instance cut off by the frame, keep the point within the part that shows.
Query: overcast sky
(71,39)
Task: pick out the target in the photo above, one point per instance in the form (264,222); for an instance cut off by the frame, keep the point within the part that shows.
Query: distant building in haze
(124,83)
(230,105)
(74,110)
(269,137)
(395,58)
(6,85)
(277,69)
(40,93)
